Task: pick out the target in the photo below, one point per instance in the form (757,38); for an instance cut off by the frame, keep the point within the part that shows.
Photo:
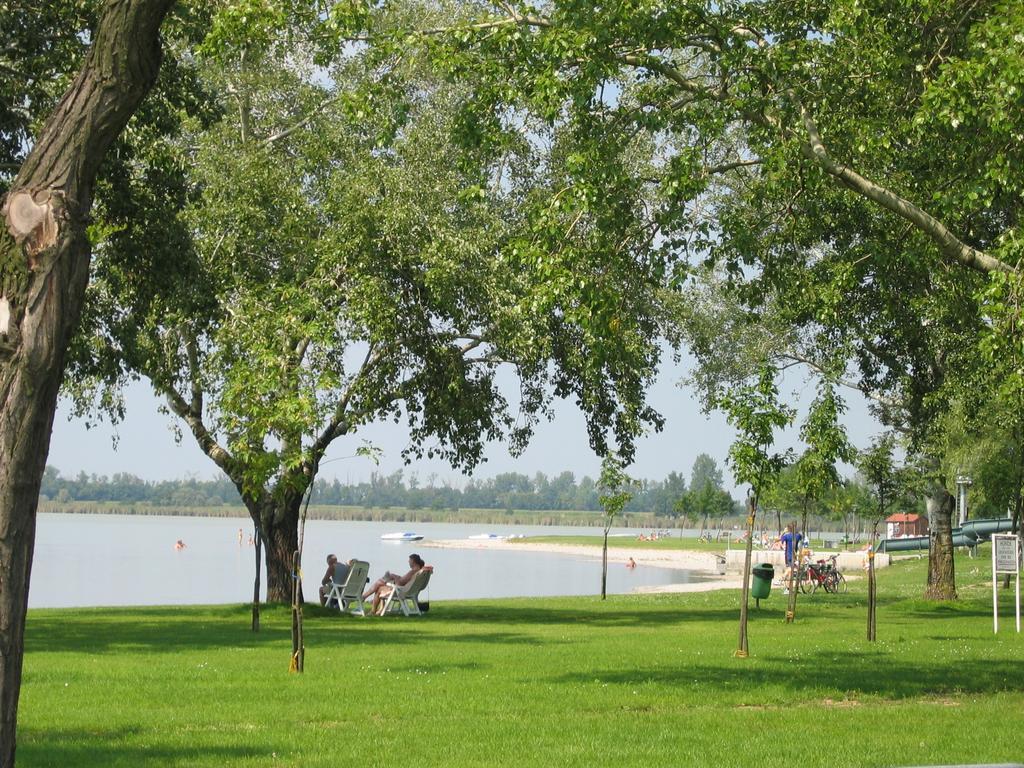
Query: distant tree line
(703,497)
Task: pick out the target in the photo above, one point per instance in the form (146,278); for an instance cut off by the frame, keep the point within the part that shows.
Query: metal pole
(995,595)
(962,483)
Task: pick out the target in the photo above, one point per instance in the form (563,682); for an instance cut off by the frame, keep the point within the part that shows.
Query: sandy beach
(704,563)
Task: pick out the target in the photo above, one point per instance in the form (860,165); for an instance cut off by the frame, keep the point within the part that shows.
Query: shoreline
(703,563)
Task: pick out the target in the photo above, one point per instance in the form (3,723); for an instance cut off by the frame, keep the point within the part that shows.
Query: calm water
(90,560)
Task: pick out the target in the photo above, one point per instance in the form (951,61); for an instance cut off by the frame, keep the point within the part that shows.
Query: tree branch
(949,245)
(209,445)
(878,397)
(337,425)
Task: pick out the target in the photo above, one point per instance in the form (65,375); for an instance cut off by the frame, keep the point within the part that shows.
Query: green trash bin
(762,583)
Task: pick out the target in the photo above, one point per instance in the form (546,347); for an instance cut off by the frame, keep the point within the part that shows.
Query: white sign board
(1005,560)
(1004,554)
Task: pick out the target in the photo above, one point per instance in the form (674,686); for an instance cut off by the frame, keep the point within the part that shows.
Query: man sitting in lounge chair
(327,581)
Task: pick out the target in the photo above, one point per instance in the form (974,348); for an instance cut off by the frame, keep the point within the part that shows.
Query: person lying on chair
(382,587)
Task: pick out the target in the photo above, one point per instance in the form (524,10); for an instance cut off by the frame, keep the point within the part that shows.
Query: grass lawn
(634,681)
(673,541)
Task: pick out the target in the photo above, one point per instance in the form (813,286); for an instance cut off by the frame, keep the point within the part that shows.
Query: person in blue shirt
(791,544)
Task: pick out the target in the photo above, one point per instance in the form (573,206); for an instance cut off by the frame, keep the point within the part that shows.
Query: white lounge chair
(350,590)
(405,598)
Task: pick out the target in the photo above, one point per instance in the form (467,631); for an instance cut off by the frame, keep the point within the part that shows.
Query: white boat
(487,537)
(407,536)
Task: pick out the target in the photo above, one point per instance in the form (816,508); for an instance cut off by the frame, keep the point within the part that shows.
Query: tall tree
(872,144)
(346,259)
(44,268)
(705,472)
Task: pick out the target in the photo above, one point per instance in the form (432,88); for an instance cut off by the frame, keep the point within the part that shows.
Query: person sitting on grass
(382,587)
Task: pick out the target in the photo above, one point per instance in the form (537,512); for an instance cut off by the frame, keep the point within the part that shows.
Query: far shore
(703,563)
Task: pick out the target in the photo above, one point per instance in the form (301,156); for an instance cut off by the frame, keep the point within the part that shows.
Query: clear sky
(147,448)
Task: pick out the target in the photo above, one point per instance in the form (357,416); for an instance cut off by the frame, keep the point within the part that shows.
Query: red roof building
(905,525)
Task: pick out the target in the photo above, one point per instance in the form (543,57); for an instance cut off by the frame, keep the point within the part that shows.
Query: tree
(616,489)
(705,473)
(815,469)
(806,145)
(754,411)
(348,260)
(44,268)
(886,481)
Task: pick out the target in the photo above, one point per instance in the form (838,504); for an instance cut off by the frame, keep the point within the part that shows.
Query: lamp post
(963,482)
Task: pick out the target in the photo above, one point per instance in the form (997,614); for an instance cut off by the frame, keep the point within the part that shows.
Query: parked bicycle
(824,574)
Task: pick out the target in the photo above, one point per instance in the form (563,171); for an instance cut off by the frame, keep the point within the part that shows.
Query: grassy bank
(635,681)
(672,542)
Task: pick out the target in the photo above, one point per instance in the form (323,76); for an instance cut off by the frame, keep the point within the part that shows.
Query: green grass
(633,681)
(632,542)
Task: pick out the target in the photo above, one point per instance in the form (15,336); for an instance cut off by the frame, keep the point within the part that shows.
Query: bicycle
(827,576)
(835,582)
(811,576)
(824,574)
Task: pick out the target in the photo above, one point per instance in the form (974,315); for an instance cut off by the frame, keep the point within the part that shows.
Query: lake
(96,560)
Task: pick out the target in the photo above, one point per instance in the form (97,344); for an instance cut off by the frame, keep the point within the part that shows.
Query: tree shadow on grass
(170,631)
(844,673)
(93,748)
(603,617)
(173,630)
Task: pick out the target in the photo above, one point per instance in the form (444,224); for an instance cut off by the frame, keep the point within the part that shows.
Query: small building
(902,524)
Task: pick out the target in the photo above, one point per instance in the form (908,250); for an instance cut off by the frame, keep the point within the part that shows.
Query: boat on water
(406,536)
(495,536)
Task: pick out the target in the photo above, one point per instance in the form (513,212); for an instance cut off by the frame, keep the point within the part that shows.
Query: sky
(146,446)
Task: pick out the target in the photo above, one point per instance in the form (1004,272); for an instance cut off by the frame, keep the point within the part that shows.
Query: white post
(995,594)
(1016,589)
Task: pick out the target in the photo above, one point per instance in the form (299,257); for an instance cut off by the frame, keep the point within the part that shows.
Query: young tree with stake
(754,411)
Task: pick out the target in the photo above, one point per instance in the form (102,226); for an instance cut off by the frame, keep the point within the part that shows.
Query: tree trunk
(872,593)
(256,583)
(742,651)
(44,269)
(1015,526)
(604,565)
(298,661)
(872,584)
(278,523)
(794,581)
(941,575)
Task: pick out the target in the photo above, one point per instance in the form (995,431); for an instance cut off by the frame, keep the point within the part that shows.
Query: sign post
(1005,560)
